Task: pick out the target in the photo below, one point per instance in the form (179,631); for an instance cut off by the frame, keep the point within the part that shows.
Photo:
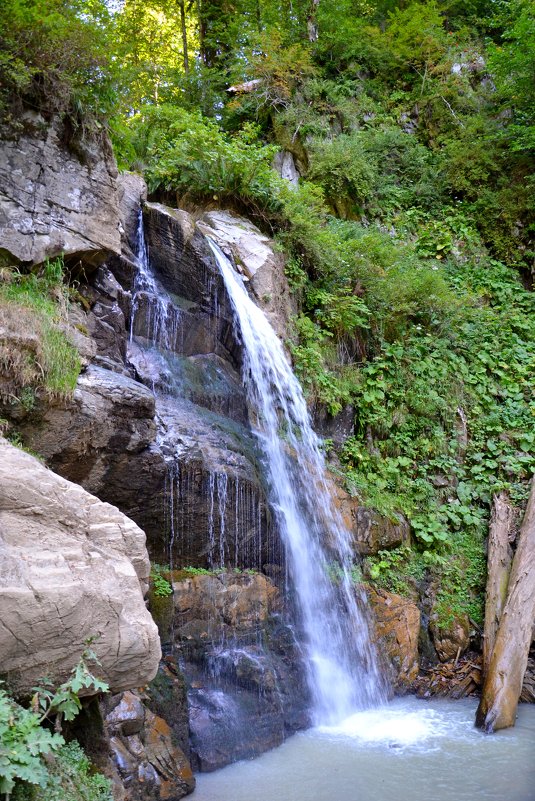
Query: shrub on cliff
(36,764)
(35,353)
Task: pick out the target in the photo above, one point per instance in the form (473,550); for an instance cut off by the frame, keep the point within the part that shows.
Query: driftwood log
(500,556)
(508,662)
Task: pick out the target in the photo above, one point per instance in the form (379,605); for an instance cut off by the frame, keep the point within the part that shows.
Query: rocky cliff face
(55,201)
(242,661)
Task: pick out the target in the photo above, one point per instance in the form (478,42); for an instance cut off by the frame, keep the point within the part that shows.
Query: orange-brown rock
(397,624)
(145,754)
(452,640)
(371,532)
(239,600)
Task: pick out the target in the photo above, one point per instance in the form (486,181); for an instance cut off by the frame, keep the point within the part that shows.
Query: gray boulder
(71,568)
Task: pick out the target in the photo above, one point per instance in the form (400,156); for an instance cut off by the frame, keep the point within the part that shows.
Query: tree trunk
(181,5)
(312,22)
(499,560)
(503,684)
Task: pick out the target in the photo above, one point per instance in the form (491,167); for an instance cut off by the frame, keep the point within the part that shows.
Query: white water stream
(342,669)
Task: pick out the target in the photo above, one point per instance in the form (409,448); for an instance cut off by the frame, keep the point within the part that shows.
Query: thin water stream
(409,750)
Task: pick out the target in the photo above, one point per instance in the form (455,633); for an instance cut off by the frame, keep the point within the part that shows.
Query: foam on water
(392,726)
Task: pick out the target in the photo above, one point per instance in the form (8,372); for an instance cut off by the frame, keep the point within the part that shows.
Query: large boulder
(71,568)
(55,201)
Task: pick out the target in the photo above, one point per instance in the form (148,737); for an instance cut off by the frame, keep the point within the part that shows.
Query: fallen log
(500,556)
(503,682)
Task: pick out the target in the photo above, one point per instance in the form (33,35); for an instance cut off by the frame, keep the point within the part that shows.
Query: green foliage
(22,743)
(38,355)
(444,420)
(188,154)
(54,56)
(64,700)
(24,740)
(414,137)
(416,35)
(513,64)
(161,586)
(71,777)
(342,168)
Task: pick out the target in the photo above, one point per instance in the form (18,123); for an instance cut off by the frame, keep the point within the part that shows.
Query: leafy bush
(71,777)
(186,153)
(342,167)
(161,586)
(54,56)
(24,740)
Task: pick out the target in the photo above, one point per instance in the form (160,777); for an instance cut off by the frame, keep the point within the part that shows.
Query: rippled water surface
(410,750)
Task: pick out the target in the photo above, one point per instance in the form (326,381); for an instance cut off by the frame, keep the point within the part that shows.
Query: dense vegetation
(409,239)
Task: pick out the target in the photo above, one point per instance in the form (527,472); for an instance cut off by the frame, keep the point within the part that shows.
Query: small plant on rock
(161,586)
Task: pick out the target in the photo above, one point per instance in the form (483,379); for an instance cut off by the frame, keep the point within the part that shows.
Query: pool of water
(409,750)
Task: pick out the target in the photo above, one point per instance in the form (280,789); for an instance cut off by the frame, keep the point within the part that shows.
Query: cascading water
(162,319)
(343,674)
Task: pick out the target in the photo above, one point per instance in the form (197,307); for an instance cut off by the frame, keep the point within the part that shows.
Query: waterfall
(342,669)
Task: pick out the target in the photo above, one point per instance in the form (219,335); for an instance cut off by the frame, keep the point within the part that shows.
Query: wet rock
(219,505)
(397,624)
(452,640)
(131,194)
(255,257)
(128,716)
(54,203)
(284,164)
(337,428)
(374,532)
(371,532)
(238,600)
(166,696)
(109,417)
(246,682)
(107,319)
(147,759)
(72,568)
(184,264)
